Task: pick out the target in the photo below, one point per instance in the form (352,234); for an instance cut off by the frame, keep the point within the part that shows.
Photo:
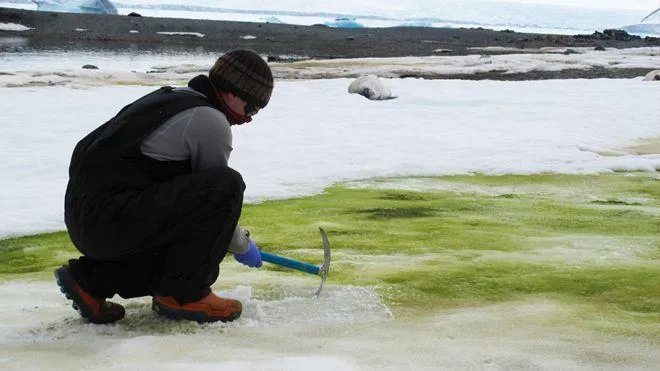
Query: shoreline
(285,43)
(282,40)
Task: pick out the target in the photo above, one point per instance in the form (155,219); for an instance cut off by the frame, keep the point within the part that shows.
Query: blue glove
(251,258)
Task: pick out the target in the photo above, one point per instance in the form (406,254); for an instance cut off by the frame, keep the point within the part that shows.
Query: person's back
(153,205)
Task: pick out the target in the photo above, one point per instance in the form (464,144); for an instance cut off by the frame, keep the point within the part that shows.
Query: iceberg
(643,29)
(649,26)
(79,6)
(344,22)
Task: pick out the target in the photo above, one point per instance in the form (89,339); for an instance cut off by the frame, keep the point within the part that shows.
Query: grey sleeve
(208,139)
(240,242)
(200,134)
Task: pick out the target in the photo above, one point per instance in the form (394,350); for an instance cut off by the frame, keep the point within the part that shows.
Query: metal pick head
(325,268)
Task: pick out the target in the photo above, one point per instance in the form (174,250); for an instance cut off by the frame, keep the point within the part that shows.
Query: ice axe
(302,266)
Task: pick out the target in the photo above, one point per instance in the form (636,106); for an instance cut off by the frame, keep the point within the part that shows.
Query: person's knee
(223,182)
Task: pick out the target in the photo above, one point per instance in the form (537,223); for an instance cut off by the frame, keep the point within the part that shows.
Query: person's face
(240,105)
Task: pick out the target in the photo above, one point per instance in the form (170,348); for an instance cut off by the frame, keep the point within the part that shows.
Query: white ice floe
(180,33)
(14,27)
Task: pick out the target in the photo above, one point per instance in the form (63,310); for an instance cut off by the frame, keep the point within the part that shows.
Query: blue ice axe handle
(289,263)
(302,266)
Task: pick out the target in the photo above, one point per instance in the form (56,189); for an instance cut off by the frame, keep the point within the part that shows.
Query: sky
(313,134)
(646,5)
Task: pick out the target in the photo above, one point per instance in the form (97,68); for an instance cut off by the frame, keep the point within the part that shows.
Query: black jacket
(107,170)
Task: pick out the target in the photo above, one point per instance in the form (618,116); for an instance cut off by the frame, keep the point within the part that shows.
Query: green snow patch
(591,242)
(646,147)
(36,254)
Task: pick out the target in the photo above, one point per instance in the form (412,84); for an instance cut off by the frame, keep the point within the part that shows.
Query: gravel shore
(281,42)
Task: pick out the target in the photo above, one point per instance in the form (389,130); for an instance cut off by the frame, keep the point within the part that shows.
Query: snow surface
(49,67)
(40,331)
(434,127)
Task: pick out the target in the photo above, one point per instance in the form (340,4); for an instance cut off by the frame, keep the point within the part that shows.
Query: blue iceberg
(649,26)
(79,6)
(643,29)
(344,22)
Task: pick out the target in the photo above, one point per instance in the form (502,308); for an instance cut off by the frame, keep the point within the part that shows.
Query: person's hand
(251,258)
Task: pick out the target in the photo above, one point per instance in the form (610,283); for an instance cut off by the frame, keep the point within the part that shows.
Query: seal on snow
(370,87)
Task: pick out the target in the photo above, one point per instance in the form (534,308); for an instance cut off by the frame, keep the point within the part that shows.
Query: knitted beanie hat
(243,73)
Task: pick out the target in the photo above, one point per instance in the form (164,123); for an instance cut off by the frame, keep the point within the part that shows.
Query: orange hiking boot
(96,310)
(210,309)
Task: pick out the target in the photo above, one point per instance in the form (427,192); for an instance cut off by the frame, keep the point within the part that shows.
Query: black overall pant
(190,221)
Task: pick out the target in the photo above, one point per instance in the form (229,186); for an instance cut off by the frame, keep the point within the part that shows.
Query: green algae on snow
(455,241)
(34,254)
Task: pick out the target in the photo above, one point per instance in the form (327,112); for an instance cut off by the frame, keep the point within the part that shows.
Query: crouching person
(151,203)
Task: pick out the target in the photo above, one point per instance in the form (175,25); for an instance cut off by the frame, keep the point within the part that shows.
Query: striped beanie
(243,73)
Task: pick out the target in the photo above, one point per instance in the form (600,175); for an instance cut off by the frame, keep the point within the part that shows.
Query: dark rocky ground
(280,41)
